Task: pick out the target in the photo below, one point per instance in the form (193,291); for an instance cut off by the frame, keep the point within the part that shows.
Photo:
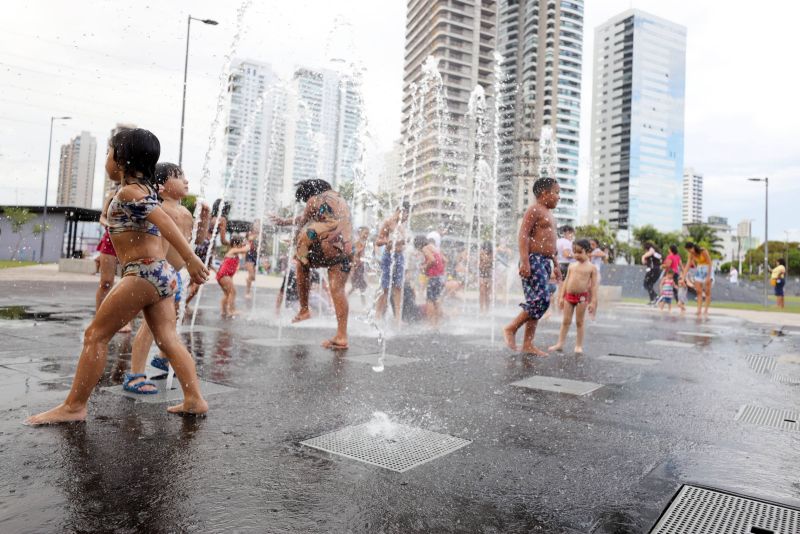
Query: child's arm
(594,290)
(523,239)
(170,231)
(383,235)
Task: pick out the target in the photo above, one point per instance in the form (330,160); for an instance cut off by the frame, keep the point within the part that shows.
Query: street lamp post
(766,235)
(47,184)
(185,72)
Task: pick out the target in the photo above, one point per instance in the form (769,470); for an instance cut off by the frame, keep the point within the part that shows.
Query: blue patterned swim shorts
(158,272)
(537,296)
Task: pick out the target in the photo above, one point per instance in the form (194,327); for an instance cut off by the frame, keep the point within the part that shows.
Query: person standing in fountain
(323,240)
(700,260)
(392,237)
(359,279)
(577,294)
(136,223)
(537,252)
(485,270)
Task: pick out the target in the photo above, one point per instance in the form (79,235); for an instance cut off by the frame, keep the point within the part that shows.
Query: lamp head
(210,22)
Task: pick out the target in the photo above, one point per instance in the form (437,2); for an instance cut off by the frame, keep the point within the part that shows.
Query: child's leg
(119,307)
(510,331)
(565,324)
(139,351)
(161,319)
(251,276)
(580,313)
(338,280)
(708,294)
(527,339)
(661,305)
(302,280)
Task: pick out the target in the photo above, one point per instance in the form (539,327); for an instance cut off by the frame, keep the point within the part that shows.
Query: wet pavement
(608,461)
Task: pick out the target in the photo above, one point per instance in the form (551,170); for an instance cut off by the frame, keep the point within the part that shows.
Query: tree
(602,233)
(18,218)
(706,237)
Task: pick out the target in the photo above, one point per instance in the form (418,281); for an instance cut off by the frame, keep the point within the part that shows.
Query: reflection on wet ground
(608,461)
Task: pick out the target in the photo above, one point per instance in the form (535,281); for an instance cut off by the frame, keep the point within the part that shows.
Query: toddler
(667,287)
(577,294)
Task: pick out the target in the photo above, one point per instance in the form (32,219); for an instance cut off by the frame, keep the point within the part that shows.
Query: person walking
(673,264)
(598,257)
(700,260)
(651,259)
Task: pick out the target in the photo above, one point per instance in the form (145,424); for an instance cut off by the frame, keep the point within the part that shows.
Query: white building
(637,122)
(76,171)
(254,96)
(323,119)
(541,43)
(692,196)
(728,244)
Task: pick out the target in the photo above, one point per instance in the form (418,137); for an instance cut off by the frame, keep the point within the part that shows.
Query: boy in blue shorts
(537,251)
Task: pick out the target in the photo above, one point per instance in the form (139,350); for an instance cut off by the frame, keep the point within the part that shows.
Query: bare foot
(336,343)
(557,347)
(578,350)
(510,337)
(234,313)
(302,316)
(198,407)
(59,414)
(533,350)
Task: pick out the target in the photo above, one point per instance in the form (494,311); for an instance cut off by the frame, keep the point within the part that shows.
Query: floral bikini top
(131,216)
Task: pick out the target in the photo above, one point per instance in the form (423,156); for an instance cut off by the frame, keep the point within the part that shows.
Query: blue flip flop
(137,387)
(162,364)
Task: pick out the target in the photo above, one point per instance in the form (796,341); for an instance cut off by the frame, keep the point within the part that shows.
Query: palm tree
(705,236)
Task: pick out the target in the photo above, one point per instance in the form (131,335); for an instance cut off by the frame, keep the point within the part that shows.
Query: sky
(103,62)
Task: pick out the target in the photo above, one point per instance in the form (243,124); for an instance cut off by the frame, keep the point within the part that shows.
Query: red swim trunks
(105,246)
(229,267)
(576,298)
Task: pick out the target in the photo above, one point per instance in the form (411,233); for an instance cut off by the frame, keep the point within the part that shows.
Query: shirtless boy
(173,187)
(577,293)
(392,237)
(359,277)
(537,250)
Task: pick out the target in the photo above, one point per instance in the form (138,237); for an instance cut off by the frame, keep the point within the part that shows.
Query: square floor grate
(389,360)
(782,419)
(699,510)
(761,364)
(786,379)
(697,334)
(624,358)
(558,385)
(400,449)
(164,395)
(668,343)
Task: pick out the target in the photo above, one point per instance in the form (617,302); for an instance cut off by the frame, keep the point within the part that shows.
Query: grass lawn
(792,304)
(6,264)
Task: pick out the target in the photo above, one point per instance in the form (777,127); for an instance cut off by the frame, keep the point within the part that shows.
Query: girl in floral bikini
(136,223)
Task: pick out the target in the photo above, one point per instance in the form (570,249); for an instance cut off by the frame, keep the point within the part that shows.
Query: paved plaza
(454,434)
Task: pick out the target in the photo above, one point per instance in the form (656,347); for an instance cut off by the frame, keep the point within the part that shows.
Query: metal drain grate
(624,358)
(782,419)
(559,385)
(399,449)
(786,379)
(697,334)
(699,510)
(761,364)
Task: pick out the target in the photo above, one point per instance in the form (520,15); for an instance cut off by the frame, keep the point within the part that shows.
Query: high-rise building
(324,115)
(108,185)
(692,196)
(254,97)
(637,122)
(460,36)
(540,42)
(76,171)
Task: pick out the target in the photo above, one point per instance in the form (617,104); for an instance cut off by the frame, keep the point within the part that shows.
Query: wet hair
(420,241)
(226,208)
(673,249)
(137,150)
(542,185)
(584,244)
(487,246)
(165,171)
(782,261)
(567,228)
(236,241)
(693,246)
(647,245)
(309,188)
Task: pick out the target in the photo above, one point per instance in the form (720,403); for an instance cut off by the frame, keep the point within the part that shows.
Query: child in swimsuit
(136,223)
(229,267)
(577,294)
(667,287)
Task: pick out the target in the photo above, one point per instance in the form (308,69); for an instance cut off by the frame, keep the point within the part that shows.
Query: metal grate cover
(761,364)
(786,379)
(405,447)
(782,419)
(697,334)
(624,358)
(668,343)
(699,510)
(559,385)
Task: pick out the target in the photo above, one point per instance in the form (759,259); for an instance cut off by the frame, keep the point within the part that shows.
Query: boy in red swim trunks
(577,293)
